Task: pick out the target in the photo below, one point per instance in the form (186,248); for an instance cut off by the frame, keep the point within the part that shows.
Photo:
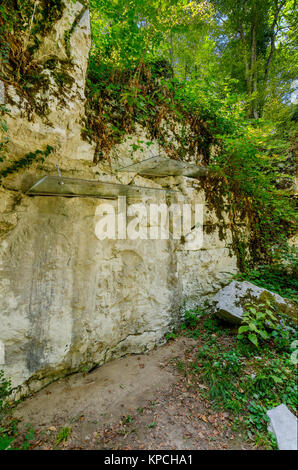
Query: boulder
(230,302)
(285,427)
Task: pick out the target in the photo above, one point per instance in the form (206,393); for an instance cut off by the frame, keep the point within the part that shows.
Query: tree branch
(279,7)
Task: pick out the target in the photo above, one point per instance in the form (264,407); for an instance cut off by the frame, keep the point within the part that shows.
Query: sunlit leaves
(127,31)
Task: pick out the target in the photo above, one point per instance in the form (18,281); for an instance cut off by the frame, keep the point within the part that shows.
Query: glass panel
(60,186)
(161,166)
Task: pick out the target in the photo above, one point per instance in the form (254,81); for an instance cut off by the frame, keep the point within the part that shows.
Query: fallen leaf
(203,417)
(203,386)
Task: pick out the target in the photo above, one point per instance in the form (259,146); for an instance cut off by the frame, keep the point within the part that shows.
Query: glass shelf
(74,187)
(161,166)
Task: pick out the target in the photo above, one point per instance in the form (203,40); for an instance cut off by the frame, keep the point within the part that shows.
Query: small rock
(285,427)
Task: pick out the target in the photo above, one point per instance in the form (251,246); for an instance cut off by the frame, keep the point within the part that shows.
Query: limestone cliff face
(68,300)
(55,115)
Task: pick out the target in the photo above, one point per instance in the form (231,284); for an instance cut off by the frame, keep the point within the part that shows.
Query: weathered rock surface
(230,302)
(59,125)
(70,301)
(285,427)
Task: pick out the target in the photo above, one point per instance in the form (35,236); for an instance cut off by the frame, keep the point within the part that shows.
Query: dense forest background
(226,67)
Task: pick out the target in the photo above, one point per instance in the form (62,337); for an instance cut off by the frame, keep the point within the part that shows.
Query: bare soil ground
(136,402)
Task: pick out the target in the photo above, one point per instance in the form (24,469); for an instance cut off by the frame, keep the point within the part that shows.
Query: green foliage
(180,366)
(238,380)
(5,440)
(280,276)
(170,336)
(7,427)
(5,388)
(22,26)
(254,38)
(120,99)
(190,319)
(205,87)
(181,61)
(29,436)
(3,131)
(38,155)
(127,419)
(126,32)
(151,425)
(250,178)
(63,435)
(258,323)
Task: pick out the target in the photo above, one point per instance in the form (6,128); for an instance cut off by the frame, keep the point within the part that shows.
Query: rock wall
(69,301)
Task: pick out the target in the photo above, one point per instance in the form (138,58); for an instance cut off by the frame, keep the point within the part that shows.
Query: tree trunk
(253,70)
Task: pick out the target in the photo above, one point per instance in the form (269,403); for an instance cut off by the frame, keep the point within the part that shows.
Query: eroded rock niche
(69,300)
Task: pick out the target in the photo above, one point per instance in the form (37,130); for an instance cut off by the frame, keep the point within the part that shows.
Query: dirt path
(137,402)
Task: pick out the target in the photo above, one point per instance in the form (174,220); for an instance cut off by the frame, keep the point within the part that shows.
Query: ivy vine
(26,160)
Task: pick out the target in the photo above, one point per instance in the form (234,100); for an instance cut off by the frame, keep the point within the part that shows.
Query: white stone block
(285,427)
